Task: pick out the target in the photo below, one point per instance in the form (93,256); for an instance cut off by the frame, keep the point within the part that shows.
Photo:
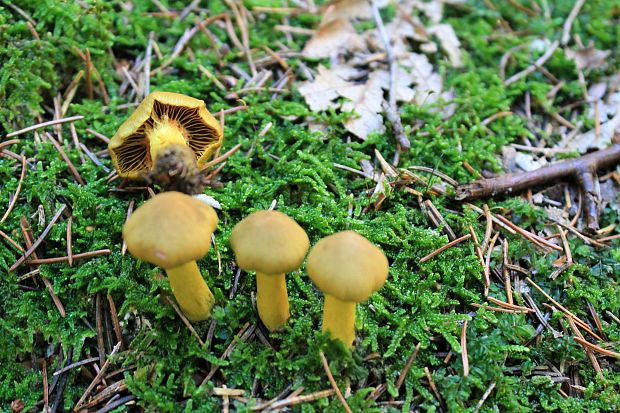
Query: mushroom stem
(191,291)
(339,319)
(272,299)
(162,135)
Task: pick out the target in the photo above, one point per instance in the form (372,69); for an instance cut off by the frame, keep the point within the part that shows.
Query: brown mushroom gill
(163,119)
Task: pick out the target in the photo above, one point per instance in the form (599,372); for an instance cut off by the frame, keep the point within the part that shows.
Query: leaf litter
(359,76)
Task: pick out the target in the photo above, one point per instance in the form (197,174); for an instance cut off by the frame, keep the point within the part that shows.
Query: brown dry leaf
(449,42)
(415,79)
(558,215)
(527,162)
(428,82)
(320,93)
(350,9)
(365,101)
(402,81)
(591,140)
(332,37)
(433,10)
(336,33)
(588,57)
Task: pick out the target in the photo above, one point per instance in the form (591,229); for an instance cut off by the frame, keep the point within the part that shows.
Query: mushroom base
(339,319)
(191,291)
(162,134)
(272,300)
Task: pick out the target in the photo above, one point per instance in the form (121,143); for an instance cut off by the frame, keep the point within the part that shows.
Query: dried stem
(390,108)
(330,377)
(582,168)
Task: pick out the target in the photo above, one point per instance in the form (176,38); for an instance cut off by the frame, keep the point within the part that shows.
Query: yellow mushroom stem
(191,291)
(339,319)
(162,135)
(272,300)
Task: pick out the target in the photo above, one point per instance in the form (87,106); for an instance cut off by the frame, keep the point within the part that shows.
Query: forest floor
(348,115)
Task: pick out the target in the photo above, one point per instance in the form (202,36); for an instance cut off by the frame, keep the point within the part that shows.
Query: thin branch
(390,107)
(596,348)
(582,168)
(539,62)
(38,242)
(80,256)
(431,383)
(19,187)
(330,377)
(405,371)
(484,397)
(64,156)
(568,24)
(581,323)
(96,380)
(464,357)
(43,125)
(445,247)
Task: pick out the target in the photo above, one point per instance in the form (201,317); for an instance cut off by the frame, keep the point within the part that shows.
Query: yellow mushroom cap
(170,229)
(129,147)
(269,242)
(347,266)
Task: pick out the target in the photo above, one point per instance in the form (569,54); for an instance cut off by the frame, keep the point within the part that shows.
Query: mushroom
(272,244)
(163,119)
(347,268)
(173,230)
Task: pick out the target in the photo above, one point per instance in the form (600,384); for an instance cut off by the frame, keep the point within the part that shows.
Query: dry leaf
(526,162)
(320,93)
(449,42)
(415,79)
(402,81)
(588,57)
(433,10)
(590,140)
(351,9)
(401,28)
(365,101)
(429,83)
(558,215)
(332,37)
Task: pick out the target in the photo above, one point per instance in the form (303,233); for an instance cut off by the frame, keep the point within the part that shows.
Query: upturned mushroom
(272,244)
(347,268)
(173,230)
(161,120)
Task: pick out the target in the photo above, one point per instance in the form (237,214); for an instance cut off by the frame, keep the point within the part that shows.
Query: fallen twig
(579,321)
(82,255)
(17,191)
(537,64)
(291,401)
(330,377)
(44,124)
(484,397)
(64,156)
(583,168)
(569,21)
(96,380)
(390,108)
(445,247)
(433,387)
(410,360)
(596,348)
(464,357)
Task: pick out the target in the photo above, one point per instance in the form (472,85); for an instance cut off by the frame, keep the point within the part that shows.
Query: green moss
(421,303)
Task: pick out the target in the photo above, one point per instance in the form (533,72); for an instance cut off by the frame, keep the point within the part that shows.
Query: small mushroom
(173,230)
(163,119)
(347,268)
(272,244)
